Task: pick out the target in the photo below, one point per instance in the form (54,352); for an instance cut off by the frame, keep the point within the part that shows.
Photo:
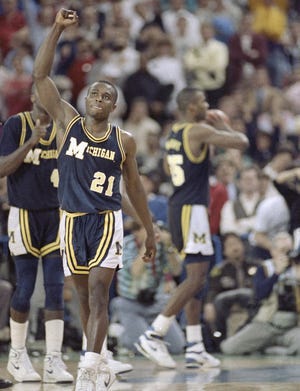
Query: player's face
(100,101)
(202,106)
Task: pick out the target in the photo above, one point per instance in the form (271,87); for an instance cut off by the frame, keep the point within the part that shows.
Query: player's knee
(54,297)
(21,297)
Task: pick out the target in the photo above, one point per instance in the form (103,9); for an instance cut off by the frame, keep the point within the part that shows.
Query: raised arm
(137,195)
(60,111)
(218,132)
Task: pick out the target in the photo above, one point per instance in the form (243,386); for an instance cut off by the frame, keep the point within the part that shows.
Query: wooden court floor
(247,373)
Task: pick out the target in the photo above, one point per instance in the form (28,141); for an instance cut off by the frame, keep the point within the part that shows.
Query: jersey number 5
(177,173)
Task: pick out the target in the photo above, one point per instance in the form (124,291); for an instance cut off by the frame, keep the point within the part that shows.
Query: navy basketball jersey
(90,169)
(189,174)
(33,185)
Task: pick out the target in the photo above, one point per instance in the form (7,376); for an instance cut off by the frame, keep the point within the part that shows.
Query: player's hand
(66,17)
(38,132)
(150,252)
(217,118)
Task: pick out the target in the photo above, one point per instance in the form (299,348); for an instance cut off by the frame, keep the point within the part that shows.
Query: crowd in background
(244,54)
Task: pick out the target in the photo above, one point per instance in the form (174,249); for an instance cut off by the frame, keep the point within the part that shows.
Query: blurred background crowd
(244,54)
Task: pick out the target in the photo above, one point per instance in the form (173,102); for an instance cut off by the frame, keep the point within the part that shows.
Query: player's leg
(55,370)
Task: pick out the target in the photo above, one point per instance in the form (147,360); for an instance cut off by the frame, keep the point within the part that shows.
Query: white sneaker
(20,367)
(105,377)
(196,356)
(86,379)
(55,370)
(116,366)
(152,346)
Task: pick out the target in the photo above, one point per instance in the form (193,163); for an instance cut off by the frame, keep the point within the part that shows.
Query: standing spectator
(206,65)
(11,21)
(187,161)
(28,156)
(93,156)
(247,51)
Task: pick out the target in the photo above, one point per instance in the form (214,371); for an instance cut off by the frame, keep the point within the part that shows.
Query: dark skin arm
(10,163)
(59,110)
(137,195)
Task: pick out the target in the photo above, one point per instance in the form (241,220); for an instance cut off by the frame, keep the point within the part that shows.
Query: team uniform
(33,230)
(188,219)
(89,194)
(32,190)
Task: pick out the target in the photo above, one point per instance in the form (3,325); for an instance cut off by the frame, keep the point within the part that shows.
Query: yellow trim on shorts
(105,240)
(50,247)
(25,232)
(71,258)
(185,222)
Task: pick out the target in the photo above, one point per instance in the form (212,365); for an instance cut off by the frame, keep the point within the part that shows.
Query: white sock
(90,360)
(104,347)
(162,324)
(18,334)
(84,342)
(54,332)
(194,333)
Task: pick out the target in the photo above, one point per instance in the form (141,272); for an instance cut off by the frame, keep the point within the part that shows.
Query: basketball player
(187,161)
(93,154)
(28,157)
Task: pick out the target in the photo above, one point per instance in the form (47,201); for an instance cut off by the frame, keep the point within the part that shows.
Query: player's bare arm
(59,110)
(221,137)
(137,195)
(10,163)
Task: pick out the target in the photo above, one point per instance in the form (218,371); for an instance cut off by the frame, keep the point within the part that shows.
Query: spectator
(11,21)
(141,124)
(206,65)
(247,51)
(230,288)
(144,289)
(238,216)
(274,327)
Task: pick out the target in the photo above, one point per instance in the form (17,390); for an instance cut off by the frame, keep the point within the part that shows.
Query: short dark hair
(186,96)
(102,81)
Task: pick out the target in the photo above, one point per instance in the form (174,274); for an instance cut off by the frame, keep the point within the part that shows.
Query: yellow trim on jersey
(25,231)
(68,127)
(92,137)
(186,147)
(119,140)
(71,258)
(42,140)
(185,222)
(23,130)
(105,240)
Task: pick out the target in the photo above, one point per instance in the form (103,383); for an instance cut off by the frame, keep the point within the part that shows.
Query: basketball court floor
(247,373)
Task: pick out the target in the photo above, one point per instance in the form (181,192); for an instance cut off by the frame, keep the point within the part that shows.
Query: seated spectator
(238,216)
(230,289)
(274,328)
(6,290)
(143,289)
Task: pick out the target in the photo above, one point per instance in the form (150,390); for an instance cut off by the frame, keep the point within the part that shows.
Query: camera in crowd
(294,256)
